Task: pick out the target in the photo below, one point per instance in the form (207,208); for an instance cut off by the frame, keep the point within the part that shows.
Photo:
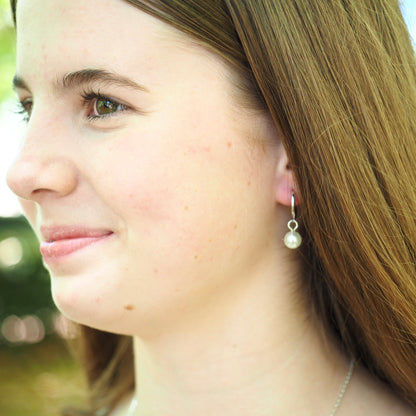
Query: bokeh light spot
(64,327)
(11,252)
(29,329)
(13,329)
(35,330)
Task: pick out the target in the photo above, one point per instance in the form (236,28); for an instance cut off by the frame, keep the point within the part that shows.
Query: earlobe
(285,181)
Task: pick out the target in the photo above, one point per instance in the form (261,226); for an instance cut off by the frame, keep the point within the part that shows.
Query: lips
(65,240)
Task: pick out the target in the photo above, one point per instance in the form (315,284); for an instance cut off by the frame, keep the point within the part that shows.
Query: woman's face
(147,184)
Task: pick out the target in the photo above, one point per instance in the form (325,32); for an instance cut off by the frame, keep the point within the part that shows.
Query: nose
(41,169)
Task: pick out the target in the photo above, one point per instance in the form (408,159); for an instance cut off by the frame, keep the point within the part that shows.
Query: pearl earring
(292,238)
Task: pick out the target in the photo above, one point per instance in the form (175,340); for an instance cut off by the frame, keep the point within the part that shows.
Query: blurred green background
(38,376)
(7,51)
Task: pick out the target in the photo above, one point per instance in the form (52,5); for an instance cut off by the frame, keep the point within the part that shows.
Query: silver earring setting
(292,238)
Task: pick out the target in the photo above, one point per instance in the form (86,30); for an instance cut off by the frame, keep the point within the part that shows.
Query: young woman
(170,147)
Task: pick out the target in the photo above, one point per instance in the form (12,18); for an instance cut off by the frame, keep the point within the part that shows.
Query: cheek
(138,183)
(159,194)
(155,170)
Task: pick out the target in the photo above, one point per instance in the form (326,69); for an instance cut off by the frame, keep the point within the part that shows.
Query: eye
(99,106)
(24,108)
(103,107)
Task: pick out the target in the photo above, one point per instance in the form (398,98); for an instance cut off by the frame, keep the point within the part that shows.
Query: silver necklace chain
(133,406)
(134,403)
(343,388)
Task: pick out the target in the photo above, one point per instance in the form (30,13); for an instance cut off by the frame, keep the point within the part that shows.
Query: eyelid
(22,108)
(91,94)
(90,97)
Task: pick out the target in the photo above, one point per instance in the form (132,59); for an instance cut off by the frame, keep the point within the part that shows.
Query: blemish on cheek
(128,307)
(196,257)
(187,208)
(155,271)
(249,183)
(235,227)
(229,145)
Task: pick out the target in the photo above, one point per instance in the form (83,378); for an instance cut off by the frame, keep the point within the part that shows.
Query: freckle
(229,144)
(129,307)
(187,208)
(235,227)
(196,257)
(210,240)
(249,183)
(156,270)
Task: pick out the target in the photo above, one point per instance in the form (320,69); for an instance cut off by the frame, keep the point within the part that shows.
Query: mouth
(60,242)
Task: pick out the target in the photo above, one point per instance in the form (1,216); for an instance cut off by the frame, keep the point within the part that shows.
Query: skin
(157,174)
(196,191)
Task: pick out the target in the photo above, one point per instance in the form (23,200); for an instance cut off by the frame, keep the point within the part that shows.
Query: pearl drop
(292,240)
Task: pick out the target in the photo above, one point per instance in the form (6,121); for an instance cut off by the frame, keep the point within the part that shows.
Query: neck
(256,355)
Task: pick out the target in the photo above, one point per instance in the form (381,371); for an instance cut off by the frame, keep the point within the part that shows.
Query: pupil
(105,107)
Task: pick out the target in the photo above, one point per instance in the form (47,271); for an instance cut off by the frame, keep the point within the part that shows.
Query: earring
(292,238)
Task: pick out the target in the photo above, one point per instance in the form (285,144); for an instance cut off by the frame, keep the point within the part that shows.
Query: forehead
(70,18)
(78,15)
(64,35)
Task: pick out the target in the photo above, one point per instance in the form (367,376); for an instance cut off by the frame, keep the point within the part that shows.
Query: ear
(285,181)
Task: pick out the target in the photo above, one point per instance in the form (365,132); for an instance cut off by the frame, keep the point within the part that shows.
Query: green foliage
(7,50)
(25,287)
(40,379)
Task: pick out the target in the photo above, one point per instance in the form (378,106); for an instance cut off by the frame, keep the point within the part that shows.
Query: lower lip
(56,250)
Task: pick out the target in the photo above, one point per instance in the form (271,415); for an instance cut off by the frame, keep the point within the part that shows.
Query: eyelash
(22,110)
(89,98)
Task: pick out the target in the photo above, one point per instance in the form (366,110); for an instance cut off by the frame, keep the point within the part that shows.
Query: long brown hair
(339,79)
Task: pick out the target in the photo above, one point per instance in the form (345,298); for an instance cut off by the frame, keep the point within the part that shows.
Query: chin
(80,306)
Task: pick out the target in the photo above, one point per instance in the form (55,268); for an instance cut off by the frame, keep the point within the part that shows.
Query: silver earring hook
(293,205)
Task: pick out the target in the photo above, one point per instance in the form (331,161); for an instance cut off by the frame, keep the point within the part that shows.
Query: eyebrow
(82,77)
(19,83)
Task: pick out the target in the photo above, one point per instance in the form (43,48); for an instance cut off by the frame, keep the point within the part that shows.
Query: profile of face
(151,189)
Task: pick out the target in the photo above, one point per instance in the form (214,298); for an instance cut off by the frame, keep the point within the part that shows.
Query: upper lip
(65,232)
